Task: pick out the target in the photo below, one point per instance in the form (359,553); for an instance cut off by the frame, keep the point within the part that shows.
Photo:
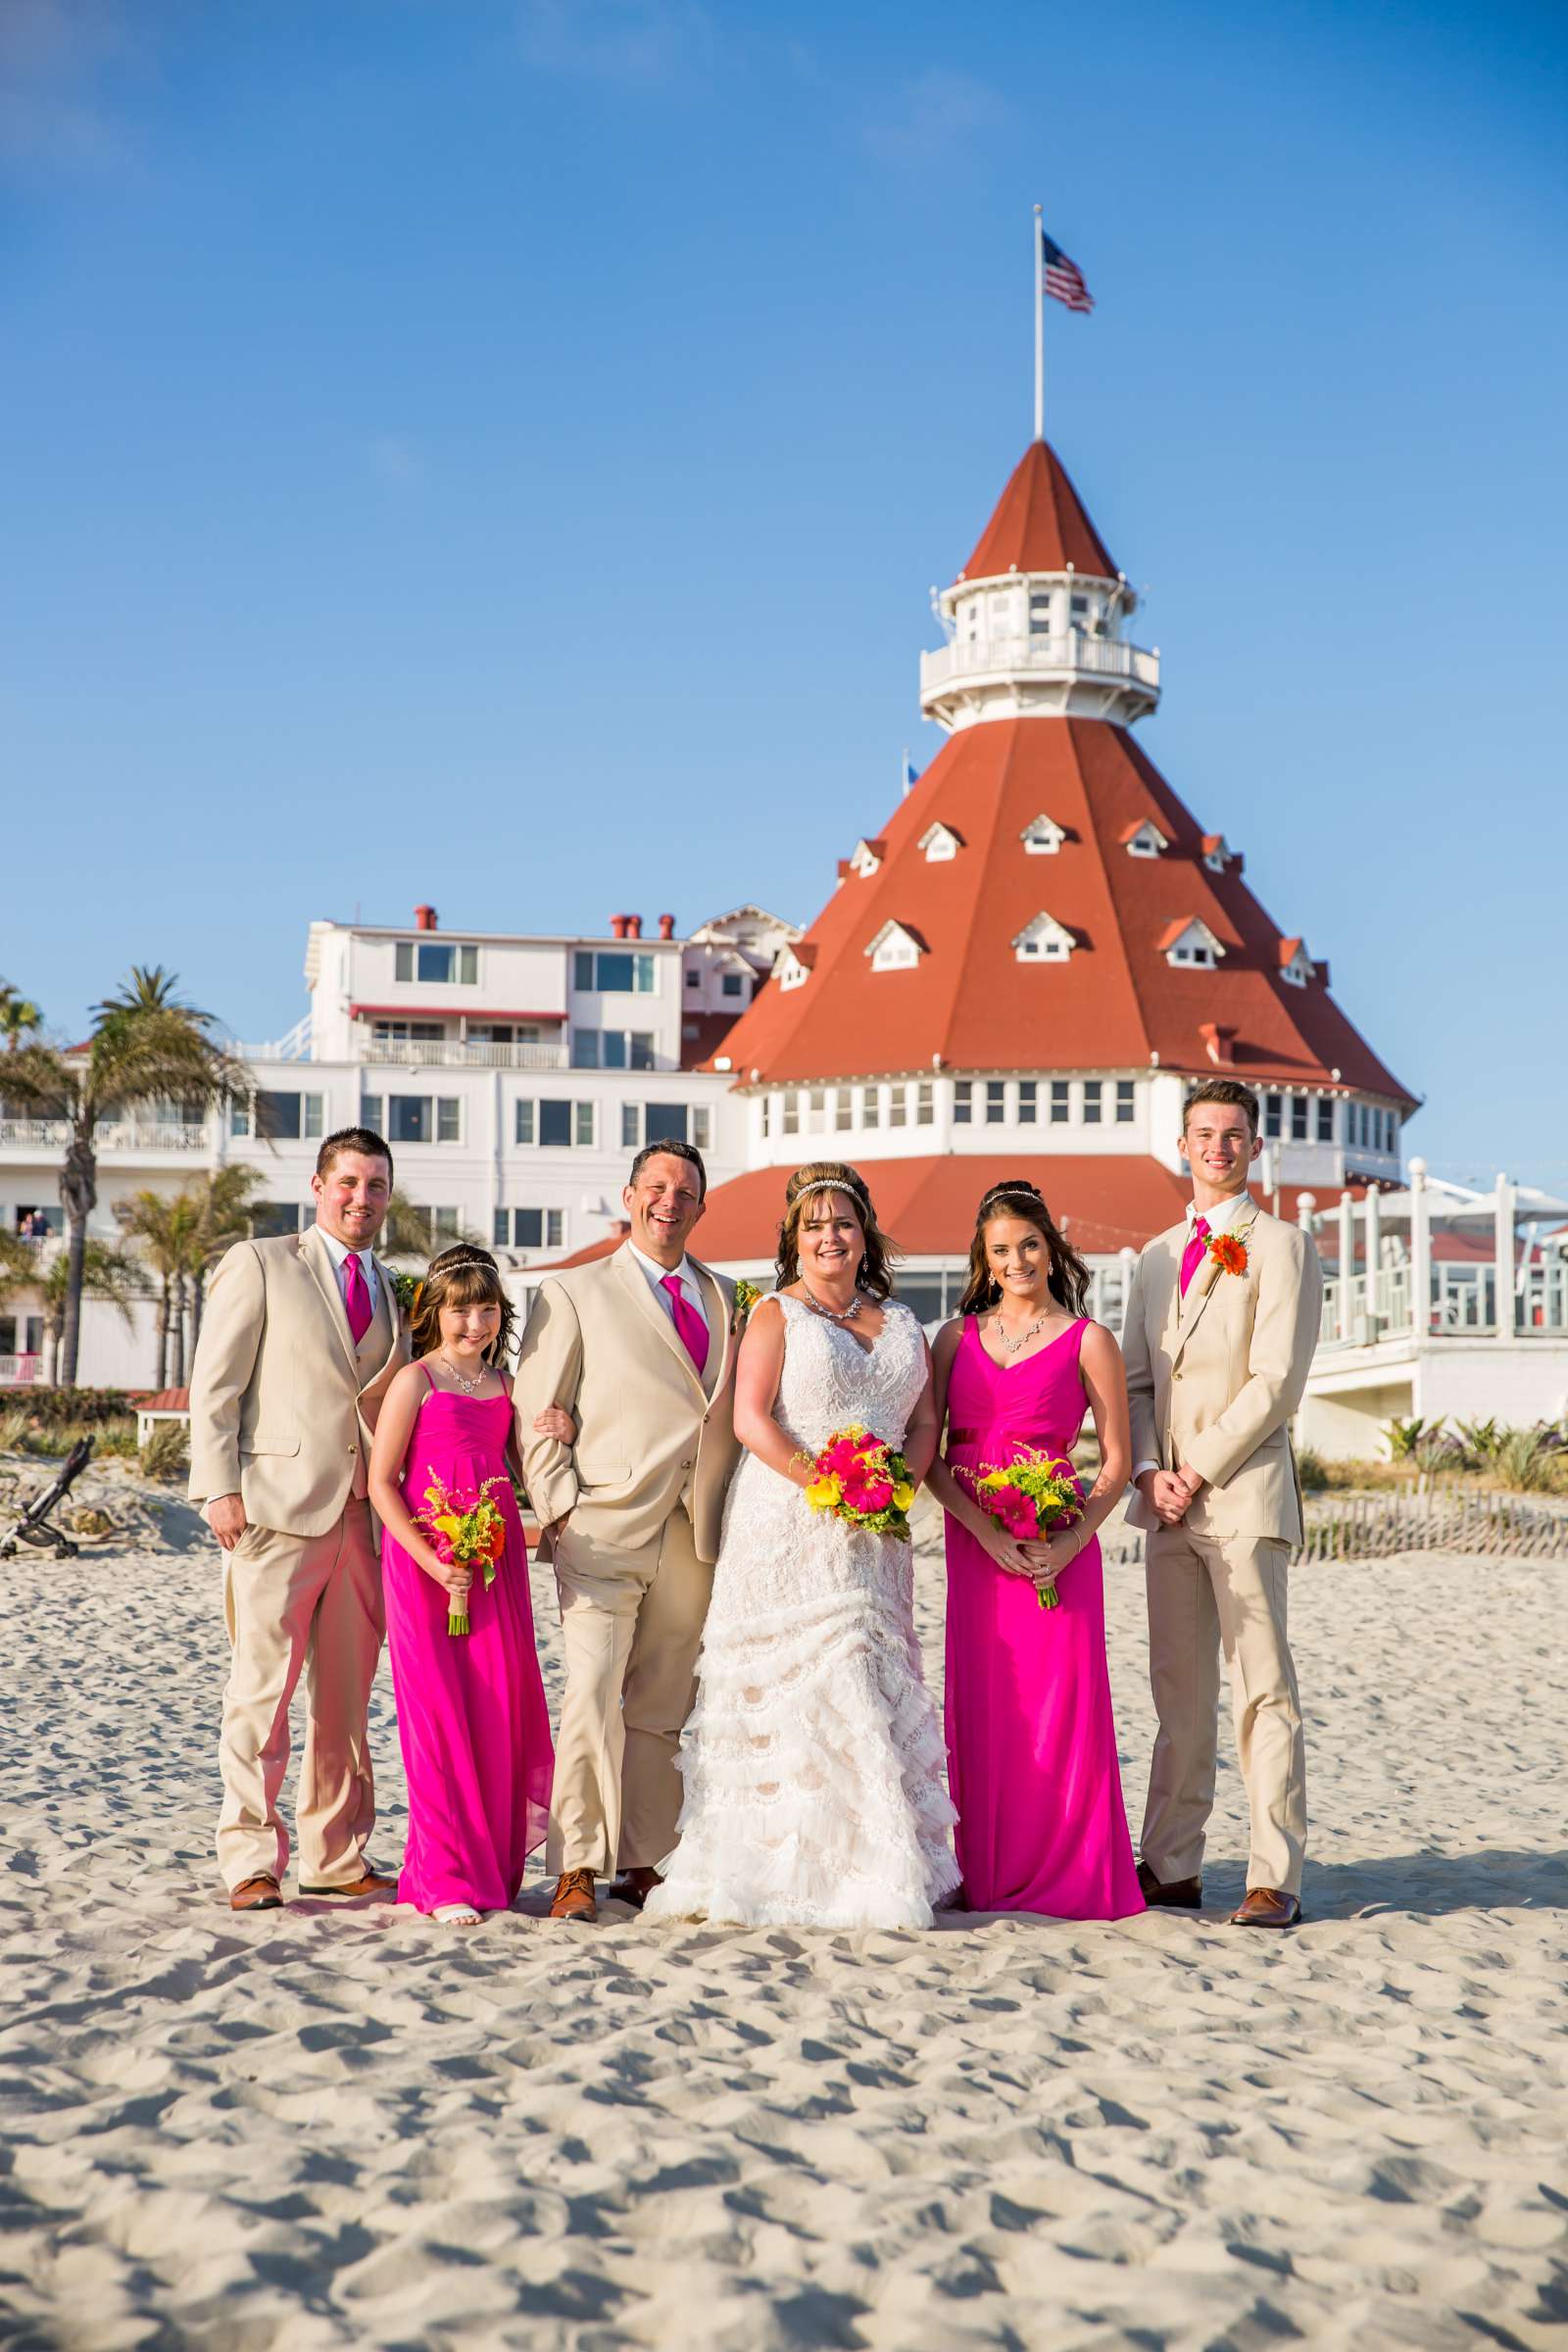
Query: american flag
(1062,279)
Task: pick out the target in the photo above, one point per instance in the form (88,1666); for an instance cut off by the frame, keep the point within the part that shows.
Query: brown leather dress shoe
(1266,1907)
(260,1894)
(1173,1894)
(368,1882)
(574,1896)
(635,1886)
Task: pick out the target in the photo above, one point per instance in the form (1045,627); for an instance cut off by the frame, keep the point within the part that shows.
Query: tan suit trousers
(631,1626)
(293,1602)
(1205,1593)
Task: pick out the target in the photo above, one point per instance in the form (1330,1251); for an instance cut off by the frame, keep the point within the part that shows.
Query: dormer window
(1296,967)
(1190,944)
(1216,853)
(940,843)
(793,967)
(896,949)
(866,857)
(1145,840)
(1043,838)
(1043,941)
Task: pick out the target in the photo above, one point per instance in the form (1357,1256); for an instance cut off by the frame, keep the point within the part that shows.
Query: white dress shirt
(338,1252)
(657,1276)
(1220,1218)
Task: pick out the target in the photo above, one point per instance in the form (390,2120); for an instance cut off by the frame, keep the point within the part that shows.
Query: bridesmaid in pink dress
(1032,1763)
(471,1717)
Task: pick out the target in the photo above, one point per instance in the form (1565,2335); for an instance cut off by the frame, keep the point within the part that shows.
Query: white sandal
(456,1915)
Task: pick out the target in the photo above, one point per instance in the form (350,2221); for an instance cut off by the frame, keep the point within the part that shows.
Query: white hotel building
(514,1077)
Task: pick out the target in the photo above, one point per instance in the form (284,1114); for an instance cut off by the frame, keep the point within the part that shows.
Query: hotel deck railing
(1463,1306)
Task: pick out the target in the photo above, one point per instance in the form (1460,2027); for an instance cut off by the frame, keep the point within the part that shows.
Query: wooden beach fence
(1371,1526)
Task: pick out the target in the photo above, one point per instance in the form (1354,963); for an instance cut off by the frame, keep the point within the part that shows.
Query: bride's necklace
(1016,1346)
(470,1388)
(833,1314)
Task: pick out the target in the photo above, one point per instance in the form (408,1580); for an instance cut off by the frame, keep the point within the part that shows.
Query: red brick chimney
(425,918)
(617,925)
(1219,1043)
(667,926)
(634,927)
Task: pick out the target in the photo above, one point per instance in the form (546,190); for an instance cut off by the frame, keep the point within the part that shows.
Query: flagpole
(1039,325)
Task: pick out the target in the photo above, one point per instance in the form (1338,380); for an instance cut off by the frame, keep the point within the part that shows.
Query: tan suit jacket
(651,1432)
(1213,1379)
(282,1406)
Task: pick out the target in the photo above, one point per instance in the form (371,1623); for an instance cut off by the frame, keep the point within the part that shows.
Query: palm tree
(19,1268)
(106,1273)
(410,1231)
(19,1016)
(228,1198)
(146,1046)
(163,1227)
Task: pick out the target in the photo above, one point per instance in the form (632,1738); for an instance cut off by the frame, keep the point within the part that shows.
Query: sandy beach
(327,2127)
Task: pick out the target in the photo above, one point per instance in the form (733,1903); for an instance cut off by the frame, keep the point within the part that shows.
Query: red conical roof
(1114,1003)
(1039,524)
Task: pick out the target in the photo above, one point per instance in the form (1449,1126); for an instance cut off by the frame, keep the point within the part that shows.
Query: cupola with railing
(1035,622)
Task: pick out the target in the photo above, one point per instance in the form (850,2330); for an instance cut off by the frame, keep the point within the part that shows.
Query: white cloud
(618,40)
(395,460)
(933,114)
(55,55)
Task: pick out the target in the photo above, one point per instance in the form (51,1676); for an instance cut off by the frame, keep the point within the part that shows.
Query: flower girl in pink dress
(471,1717)
(1032,1763)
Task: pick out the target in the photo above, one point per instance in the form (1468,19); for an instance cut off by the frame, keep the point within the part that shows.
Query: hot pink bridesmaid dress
(1031,1740)
(471,1717)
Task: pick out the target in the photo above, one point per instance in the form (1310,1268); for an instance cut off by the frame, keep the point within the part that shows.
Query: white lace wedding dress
(813,1759)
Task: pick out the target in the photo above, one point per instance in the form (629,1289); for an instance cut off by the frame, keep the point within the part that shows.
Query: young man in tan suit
(639,1347)
(1222,1319)
(299,1341)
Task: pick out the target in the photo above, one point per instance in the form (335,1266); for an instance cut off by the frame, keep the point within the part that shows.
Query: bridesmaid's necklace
(1016,1346)
(833,1313)
(470,1388)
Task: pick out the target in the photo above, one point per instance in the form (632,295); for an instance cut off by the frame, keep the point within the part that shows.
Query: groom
(639,1349)
(1222,1319)
(299,1343)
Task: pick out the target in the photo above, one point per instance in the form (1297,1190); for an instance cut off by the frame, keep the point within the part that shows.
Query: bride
(813,1759)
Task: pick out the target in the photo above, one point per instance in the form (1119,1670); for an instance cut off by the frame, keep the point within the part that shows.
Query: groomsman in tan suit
(299,1341)
(1222,1319)
(639,1347)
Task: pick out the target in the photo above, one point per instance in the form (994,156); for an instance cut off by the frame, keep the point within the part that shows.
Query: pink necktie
(357,1297)
(1193,1254)
(688,1322)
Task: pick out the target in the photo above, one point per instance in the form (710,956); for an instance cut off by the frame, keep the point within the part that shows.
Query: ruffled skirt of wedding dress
(813,1759)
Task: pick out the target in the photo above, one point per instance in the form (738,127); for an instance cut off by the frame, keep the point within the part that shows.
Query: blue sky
(497,452)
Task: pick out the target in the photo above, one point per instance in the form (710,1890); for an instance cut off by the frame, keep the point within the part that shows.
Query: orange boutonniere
(1227,1252)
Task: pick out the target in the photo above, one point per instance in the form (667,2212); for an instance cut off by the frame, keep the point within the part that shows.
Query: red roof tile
(1040,524)
(1114,1003)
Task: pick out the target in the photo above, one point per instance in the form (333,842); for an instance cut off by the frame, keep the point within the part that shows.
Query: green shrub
(1481,1439)
(1313,1470)
(54,1408)
(1404,1438)
(14,1428)
(167,1453)
(1529,1460)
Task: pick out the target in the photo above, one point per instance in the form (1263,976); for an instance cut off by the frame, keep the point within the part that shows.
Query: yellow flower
(824,1493)
(903,1496)
(450,1524)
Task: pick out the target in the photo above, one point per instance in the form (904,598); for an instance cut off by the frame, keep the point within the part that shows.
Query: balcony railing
(110,1135)
(1461,1306)
(19,1371)
(456,1053)
(1065,657)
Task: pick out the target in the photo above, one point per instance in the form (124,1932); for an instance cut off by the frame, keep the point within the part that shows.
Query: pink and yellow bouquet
(1032,1498)
(863,1481)
(467,1528)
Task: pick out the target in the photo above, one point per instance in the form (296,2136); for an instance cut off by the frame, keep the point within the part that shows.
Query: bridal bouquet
(466,1528)
(863,1481)
(1032,1499)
